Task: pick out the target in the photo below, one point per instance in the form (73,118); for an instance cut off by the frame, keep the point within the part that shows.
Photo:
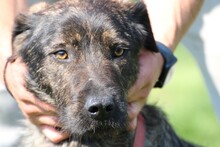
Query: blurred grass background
(186,103)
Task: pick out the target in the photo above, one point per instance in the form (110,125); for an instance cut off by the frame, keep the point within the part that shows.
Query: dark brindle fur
(82,57)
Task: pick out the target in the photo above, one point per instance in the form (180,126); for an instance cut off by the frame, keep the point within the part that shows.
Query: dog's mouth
(99,130)
(106,127)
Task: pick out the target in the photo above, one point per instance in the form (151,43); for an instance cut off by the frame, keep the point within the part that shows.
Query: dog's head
(82,57)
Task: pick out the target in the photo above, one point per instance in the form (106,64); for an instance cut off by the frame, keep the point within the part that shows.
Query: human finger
(52,134)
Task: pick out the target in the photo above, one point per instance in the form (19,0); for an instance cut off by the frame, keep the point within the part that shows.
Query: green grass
(186,102)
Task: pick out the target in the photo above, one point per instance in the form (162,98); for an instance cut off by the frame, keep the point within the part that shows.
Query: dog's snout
(100,108)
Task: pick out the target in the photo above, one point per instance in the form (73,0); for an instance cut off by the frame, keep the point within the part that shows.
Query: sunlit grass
(187,105)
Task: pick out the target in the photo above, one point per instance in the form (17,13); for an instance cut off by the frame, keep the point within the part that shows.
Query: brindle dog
(82,57)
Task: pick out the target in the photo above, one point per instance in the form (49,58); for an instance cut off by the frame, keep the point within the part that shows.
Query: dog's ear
(20,25)
(21,21)
(141,22)
(20,33)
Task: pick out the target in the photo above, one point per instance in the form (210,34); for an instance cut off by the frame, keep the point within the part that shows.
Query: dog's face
(82,57)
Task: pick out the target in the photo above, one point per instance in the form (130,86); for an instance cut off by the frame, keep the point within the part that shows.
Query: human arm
(39,113)
(6,22)
(170,19)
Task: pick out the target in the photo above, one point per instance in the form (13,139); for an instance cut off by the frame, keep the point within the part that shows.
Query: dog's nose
(100,108)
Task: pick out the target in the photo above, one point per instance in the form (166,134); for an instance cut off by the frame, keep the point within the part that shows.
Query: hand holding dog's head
(82,56)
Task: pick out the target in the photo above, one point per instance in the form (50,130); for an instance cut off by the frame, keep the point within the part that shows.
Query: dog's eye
(118,52)
(62,55)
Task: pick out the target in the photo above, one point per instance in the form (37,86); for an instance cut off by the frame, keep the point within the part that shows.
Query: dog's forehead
(76,21)
(79,25)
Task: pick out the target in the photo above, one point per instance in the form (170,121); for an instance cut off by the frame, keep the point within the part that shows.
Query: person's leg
(203,42)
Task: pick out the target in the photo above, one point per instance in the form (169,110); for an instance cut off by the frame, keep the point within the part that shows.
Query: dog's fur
(102,39)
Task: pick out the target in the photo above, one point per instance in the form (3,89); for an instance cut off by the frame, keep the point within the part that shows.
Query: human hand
(150,66)
(42,115)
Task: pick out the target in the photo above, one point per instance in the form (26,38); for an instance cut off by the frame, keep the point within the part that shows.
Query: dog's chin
(103,129)
(86,127)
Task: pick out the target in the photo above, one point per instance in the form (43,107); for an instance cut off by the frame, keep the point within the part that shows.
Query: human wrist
(169,60)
